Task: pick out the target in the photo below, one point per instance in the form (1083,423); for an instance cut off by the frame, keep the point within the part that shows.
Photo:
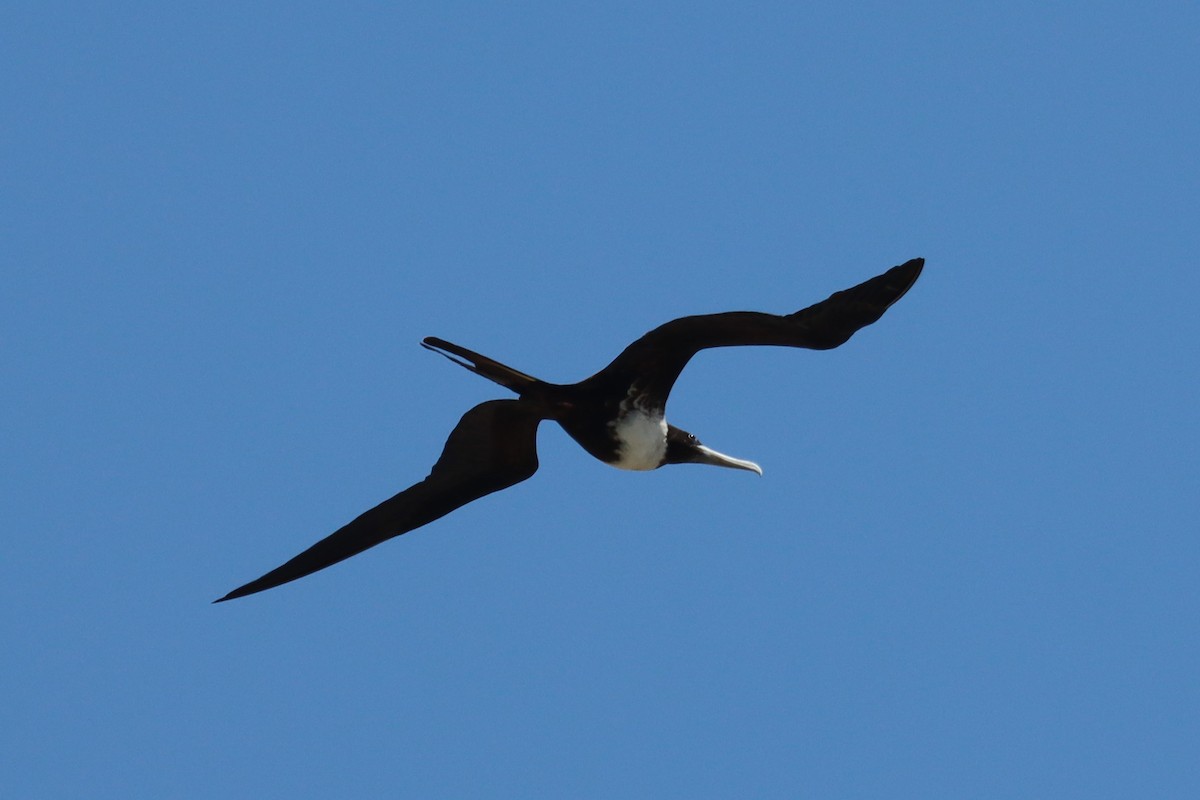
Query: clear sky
(971,568)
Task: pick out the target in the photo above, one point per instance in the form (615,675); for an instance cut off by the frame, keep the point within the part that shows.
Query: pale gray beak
(706,455)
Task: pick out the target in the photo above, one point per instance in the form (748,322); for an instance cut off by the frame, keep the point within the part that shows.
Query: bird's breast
(641,438)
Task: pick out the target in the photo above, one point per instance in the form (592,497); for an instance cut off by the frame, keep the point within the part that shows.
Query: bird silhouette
(616,415)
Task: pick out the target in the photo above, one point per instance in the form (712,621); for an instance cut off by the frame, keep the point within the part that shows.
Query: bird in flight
(617,415)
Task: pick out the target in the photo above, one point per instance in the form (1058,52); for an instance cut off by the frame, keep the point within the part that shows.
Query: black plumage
(617,415)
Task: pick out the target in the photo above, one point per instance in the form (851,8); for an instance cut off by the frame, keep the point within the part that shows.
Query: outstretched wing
(494,446)
(655,360)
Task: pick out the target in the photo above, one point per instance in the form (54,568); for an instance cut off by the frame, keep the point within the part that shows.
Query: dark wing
(494,446)
(655,360)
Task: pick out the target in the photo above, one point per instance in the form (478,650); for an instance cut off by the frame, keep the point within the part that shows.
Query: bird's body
(617,415)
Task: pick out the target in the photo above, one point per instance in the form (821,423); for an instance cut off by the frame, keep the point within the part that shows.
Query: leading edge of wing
(494,446)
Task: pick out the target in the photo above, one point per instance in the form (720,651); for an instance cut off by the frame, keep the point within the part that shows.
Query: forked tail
(506,376)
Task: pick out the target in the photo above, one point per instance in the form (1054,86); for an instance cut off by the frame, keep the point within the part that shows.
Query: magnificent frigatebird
(617,415)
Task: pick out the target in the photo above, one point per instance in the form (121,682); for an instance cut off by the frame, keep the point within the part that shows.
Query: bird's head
(685,448)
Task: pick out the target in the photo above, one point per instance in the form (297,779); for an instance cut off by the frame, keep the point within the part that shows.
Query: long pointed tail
(504,375)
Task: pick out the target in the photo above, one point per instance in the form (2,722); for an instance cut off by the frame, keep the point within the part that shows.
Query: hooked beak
(706,455)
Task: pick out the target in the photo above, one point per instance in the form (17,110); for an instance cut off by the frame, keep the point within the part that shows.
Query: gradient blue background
(970,569)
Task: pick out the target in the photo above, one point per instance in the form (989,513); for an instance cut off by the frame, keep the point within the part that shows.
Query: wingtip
(241,591)
(911,270)
(438,345)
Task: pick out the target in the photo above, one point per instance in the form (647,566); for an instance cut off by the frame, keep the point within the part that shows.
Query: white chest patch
(641,437)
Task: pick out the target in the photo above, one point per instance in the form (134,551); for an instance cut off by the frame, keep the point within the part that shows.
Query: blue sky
(971,566)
